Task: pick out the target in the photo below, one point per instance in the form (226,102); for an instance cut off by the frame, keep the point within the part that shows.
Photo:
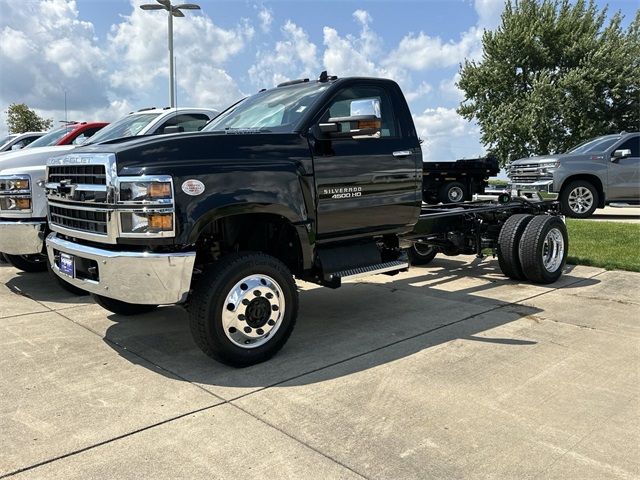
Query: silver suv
(596,173)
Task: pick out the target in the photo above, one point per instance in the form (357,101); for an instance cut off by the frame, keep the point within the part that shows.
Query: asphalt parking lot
(449,371)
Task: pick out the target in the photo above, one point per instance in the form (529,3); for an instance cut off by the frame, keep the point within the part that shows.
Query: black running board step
(360,272)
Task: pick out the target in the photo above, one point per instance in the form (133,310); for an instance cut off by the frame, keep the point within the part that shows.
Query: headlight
(146,222)
(15,204)
(156,192)
(15,193)
(14,183)
(548,166)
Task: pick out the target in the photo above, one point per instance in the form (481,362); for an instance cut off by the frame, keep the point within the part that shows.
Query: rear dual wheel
(420,254)
(533,248)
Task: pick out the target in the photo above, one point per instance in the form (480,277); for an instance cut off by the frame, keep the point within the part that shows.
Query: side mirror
(173,129)
(17,146)
(363,121)
(618,154)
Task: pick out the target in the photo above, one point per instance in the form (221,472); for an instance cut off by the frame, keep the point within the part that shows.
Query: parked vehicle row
(23,208)
(314,180)
(601,171)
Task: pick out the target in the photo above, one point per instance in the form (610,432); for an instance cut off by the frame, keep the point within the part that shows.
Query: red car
(73,133)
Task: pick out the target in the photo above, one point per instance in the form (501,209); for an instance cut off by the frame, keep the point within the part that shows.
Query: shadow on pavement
(395,320)
(42,288)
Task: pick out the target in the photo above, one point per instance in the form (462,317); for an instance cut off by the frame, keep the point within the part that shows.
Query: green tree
(552,75)
(21,118)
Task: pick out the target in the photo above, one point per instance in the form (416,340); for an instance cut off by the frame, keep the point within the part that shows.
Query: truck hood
(562,157)
(30,157)
(163,152)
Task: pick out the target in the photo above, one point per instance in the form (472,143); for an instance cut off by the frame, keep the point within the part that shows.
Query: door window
(84,136)
(342,107)
(632,144)
(189,122)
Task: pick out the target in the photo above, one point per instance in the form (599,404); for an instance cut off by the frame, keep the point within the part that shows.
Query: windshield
(277,110)
(128,126)
(6,139)
(599,144)
(51,138)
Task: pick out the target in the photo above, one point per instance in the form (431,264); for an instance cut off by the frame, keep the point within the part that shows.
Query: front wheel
(243,309)
(543,249)
(421,254)
(28,263)
(579,199)
(122,308)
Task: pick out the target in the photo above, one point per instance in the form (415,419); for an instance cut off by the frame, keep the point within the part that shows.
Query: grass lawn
(609,245)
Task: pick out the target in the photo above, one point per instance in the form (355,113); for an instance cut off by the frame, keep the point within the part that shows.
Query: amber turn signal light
(161,222)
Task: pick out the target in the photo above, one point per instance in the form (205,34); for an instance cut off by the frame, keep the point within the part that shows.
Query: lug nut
(271,322)
(269,296)
(242,317)
(247,329)
(257,293)
(275,308)
(245,302)
(260,331)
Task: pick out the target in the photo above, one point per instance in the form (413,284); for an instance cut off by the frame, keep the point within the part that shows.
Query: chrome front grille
(91,221)
(78,174)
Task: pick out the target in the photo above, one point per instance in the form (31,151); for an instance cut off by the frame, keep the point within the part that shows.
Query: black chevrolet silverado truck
(317,180)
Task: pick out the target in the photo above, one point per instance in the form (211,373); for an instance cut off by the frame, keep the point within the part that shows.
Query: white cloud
(489,12)
(140,44)
(292,57)
(423,52)
(265,15)
(420,91)
(449,88)
(446,135)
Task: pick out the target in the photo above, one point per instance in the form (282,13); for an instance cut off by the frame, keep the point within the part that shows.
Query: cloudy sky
(110,57)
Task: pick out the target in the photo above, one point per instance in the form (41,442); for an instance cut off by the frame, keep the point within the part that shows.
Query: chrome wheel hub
(553,250)
(455,194)
(580,199)
(423,250)
(253,311)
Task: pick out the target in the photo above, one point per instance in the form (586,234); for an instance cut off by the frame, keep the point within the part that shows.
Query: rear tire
(453,192)
(421,254)
(122,308)
(543,249)
(508,245)
(579,199)
(28,263)
(243,309)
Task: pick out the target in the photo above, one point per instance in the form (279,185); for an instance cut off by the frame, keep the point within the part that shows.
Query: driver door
(624,173)
(365,183)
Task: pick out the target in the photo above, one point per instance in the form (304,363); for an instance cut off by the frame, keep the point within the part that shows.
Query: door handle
(402,153)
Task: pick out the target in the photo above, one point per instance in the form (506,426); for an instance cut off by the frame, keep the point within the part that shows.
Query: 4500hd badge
(342,192)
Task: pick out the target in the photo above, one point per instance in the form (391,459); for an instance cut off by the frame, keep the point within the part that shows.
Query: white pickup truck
(23,208)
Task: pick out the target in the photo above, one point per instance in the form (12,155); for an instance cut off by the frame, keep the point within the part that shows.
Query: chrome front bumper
(134,277)
(542,189)
(21,237)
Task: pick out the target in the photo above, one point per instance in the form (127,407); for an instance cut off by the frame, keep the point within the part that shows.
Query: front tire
(122,308)
(421,254)
(28,263)
(243,309)
(579,199)
(543,249)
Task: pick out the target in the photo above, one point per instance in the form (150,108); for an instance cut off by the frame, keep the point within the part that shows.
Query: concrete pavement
(448,371)
(614,214)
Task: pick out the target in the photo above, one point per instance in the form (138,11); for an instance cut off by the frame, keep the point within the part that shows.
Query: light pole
(174,11)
